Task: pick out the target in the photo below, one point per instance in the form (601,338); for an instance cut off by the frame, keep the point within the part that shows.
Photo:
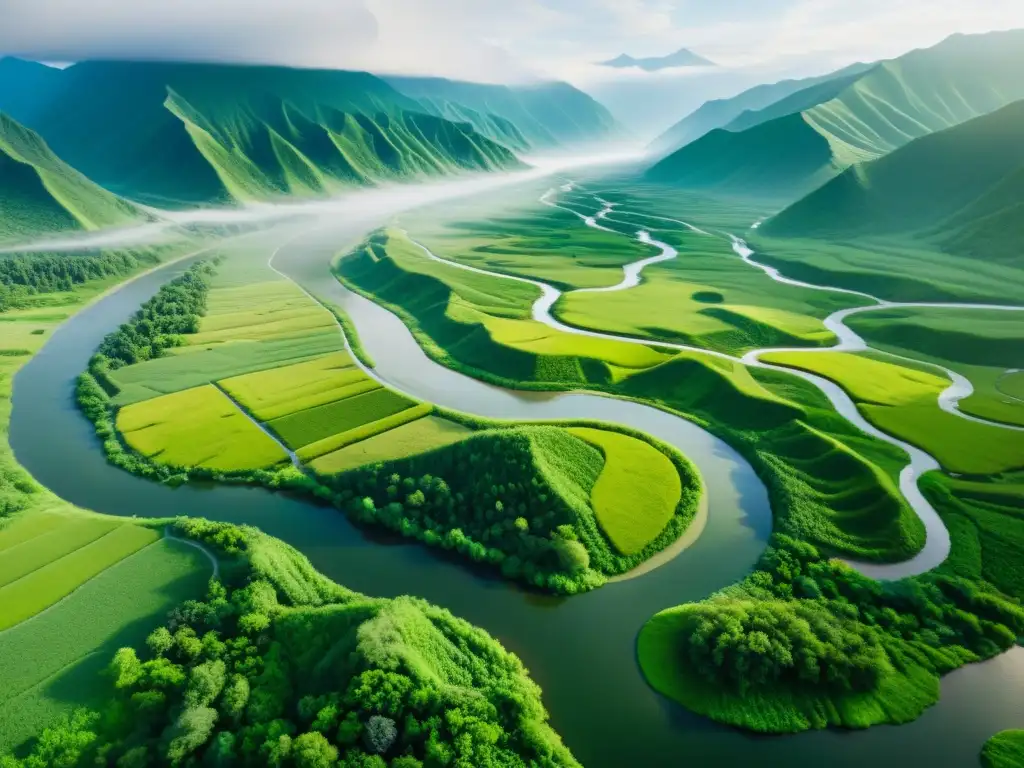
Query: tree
(380,733)
(126,668)
(190,731)
(160,641)
(205,682)
(236,696)
(313,750)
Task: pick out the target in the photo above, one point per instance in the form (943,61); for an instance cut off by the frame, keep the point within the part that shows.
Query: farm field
(53,663)
(636,493)
(419,436)
(315,424)
(903,402)
(978,344)
(198,427)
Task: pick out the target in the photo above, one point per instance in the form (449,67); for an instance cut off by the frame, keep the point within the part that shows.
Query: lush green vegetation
(806,642)
(980,345)
(1004,750)
(903,402)
(279,666)
(39,194)
(195,428)
(364,431)
(419,436)
(846,121)
(637,492)
(318,423)
(53,663)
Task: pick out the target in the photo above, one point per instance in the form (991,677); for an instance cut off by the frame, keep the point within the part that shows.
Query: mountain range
(684,57)
(962,188)
(178,134)
(794,145)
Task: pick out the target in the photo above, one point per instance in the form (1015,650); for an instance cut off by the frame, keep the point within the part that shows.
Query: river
(581,650)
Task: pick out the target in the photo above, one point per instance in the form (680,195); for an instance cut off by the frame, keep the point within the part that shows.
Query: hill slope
(721,112)
(41,194)
(963,186)
(874,114)
(539,116)
(202,132)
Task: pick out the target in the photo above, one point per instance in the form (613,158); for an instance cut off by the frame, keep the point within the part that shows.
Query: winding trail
(196,545)
(293,457)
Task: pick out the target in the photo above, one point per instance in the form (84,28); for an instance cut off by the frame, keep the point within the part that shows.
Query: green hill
(169,132)
(39,193)
(963,187)
(881,110)
(542,115)
(722,112)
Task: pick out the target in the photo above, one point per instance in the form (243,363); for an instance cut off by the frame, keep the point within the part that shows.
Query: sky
(494,40)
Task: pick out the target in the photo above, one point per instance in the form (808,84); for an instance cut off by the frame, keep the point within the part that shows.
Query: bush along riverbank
(514,499)
(279,666)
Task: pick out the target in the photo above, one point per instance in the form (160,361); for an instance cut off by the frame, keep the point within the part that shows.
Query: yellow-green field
(199,427)
(419,436)
(316,424)
(904,402)
(264,311)
(637,491)
(278,392)
(46,557)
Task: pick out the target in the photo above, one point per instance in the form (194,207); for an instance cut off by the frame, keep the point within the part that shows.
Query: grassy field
(53,664)
(1004,750)
(310,426)
(903,402)
(978,344)
(198,427)
(637,491)
(419,436)
(278,392)
(339,440)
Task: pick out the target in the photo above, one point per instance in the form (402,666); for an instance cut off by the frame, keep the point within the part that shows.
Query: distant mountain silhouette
(681,58)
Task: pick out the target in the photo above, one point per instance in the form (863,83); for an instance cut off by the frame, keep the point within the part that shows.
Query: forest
(280,667)
(24,276)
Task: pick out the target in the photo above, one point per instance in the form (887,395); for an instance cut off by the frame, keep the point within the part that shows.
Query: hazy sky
(493,39)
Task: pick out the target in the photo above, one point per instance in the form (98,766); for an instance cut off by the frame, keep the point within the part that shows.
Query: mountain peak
(684,57)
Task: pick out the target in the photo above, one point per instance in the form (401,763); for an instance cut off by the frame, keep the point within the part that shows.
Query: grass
(198,427)
(637,491)
(50,581)
(1004,750)
(978,344)
(278,392)
(903,402)
(314,424)
(52,664)
(422,435)
(47,539)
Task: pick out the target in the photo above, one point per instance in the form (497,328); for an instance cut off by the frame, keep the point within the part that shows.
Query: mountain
(681,58)
(962,187)
(537,116)
(195,133)
(883,109)
(24,85)
(721,112)
(41,194)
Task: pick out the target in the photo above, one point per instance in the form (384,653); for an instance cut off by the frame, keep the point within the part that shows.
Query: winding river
(581,650)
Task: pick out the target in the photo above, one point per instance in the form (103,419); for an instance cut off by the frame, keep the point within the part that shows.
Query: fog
(358,204)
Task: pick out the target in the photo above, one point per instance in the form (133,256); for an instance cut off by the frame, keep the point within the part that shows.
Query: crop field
(1011,384)
(33,583)
(424,434)
(53,663)
(980,345)
(315,424)
(903,402)
(278,392)
(637,491)
(198,427)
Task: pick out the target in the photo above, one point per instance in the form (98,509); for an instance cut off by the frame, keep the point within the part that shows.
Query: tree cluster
(243,678)
(804,619)
(23,276)
(483,498)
